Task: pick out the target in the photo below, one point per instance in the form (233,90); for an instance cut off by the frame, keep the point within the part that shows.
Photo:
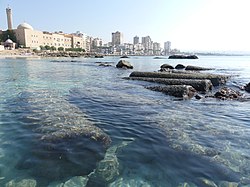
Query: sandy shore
(18,53)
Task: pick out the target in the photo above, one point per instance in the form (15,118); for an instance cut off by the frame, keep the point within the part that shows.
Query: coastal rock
(129,182)
(182,91)
(227,93)
(22,183)
(200,85)
(166,66)
(124,64)
(206,182)
(215,79)
(108,168)
(105,64)
(180,66)
(59,129)
(76,181)
(228,184)
(125,56)
(247,87)
(183,57)
(197,68)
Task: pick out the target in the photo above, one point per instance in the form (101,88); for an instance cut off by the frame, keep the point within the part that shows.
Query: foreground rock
(183,57)
(247,87)
(228,93)
(166,66)
(197,68)
(180,66)
(199,85)
(22,183)
(60,131)
(182,91)
(124,64)
(215,79)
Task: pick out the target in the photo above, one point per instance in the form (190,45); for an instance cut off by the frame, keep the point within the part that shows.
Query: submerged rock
(61,134)
(206,183)
(22,183)
(124,64)
(122,182)
(185,184)
(76,181)
(108,168)
(228,184)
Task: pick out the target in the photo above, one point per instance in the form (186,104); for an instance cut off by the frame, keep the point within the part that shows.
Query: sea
(156,140)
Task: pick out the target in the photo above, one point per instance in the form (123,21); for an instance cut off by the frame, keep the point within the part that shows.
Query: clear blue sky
(189,24)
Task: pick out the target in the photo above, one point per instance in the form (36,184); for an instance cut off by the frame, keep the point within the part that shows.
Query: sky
(190,25)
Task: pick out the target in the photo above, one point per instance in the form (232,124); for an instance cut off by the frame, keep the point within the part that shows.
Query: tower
(9,18)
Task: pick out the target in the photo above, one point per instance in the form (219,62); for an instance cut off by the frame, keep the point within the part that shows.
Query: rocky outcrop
(182,91)
(215,79)
(197,68)
(228,94)
(199,85)
(180,66)
(183,57)
(247,87)
(124,64)
(166,66)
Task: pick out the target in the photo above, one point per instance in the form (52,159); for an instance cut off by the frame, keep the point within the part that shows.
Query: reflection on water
(174,141)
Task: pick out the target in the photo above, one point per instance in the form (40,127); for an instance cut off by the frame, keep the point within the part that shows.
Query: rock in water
(197,68)
(183,57)
(22,183)
(215,79)
(199,85)
(182,91)
(247,87)
(124,64)
(166,66)
(76,181)
(63,137)
(180,66)
(228,93)
(108,168)
(121,182)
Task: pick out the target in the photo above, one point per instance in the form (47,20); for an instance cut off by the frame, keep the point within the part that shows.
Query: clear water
(174,141)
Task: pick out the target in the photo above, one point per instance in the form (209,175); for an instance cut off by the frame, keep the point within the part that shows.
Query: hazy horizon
(191,25)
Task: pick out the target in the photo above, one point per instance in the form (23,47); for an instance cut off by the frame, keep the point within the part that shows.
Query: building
(9,18)
(148,45)
(117,38)
(136,40)
(156,48)
(167,48)
(28,37)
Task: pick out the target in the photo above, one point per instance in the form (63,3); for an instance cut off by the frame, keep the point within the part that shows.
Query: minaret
(9,18)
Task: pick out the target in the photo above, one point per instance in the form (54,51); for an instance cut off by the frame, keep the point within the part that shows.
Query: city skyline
(205,25)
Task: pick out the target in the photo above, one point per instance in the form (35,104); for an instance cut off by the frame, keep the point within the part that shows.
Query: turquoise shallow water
(173,141)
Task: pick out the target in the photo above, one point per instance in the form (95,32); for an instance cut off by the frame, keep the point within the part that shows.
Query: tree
(42,47)
(60,49)
(47,47)
(53,48)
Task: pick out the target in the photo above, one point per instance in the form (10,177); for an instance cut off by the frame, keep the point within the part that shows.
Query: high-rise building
(9,18)
(117,38)
(167,48)
(136,40)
